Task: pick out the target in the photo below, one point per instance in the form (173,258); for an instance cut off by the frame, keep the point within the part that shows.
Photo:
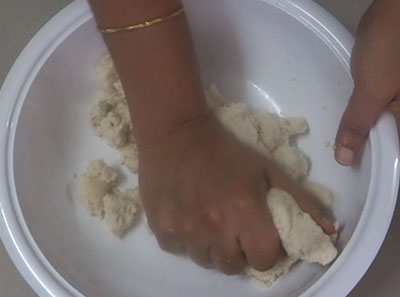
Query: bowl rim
(340,278)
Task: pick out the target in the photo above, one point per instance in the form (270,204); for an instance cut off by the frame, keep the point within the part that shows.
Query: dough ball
(292,161)
(296,126)
(267,278)
(106,72)
(237,119)
(96,182)
(130,157)
(272,130)
(301,236)
(120,210)
(322,193)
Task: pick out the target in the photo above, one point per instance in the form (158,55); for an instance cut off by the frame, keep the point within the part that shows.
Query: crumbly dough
(96,182)
(103,199)
(120,209)
(268,133)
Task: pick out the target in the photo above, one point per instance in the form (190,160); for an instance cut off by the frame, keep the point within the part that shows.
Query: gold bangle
(144,24)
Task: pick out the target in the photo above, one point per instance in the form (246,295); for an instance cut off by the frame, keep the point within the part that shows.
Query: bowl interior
(254,53)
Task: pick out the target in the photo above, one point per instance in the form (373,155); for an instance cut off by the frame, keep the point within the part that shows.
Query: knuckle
(212,218)
(165,245)
(351,128)
(264,264)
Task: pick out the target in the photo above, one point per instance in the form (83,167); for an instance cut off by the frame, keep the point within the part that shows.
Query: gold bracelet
(144,24)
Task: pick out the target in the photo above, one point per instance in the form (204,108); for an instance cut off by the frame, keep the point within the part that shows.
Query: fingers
(200,254)
(394,107)
(278,179)
(166,230)
(260,243)
(361,113)
(227,256)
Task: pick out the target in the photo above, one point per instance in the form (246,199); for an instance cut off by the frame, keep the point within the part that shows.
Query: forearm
(383,15)
(157,65)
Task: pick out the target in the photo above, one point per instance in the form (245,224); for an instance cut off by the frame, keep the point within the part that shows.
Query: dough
(120,210)
(110,119)
(103,199)
(273,132)
(214,98)
(106,73)
(238,120)
(267,278)
(268,133)
(292,161)
(130,157)
(94,184)
(301,237)
(295,126)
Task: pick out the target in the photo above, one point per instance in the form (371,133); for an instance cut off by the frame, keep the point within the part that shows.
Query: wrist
(159,121)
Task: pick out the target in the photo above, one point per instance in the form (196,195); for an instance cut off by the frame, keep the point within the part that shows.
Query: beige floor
(20,19)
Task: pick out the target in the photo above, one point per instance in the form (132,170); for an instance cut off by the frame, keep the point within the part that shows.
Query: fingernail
(344,155)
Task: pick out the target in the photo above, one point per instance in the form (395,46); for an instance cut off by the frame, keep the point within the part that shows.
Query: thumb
(361,113)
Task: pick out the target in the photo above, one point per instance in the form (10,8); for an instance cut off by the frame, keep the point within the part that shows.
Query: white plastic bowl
(286,55)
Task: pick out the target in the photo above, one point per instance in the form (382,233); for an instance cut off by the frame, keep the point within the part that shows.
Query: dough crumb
(328,144)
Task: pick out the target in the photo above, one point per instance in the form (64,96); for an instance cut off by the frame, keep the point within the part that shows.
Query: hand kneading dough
(120,209)
(268,133)
(101,198)
(301,237)
(94,184)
